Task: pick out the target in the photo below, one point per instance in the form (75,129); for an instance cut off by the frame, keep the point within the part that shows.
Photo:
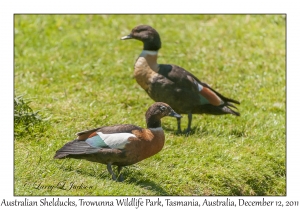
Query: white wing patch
(116,140)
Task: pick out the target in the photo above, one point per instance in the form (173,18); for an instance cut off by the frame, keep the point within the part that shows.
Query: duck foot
(120,178)
(178,132)
(188,131)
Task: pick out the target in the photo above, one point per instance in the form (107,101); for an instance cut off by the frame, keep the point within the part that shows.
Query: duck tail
(219,104)
(76,147)
(212,93)
(226,108)
(225,99)
(229,100)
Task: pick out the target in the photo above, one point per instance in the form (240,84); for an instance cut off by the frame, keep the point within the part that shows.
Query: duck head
(148,35)
(157,111)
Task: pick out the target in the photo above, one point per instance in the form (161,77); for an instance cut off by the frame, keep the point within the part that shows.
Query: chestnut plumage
(120,145)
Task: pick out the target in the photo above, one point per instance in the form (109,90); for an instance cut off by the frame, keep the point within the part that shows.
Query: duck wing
(103,139)
(184,79)
(124,128)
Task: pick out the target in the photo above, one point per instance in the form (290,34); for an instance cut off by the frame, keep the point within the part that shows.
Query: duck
(120,145)
(174,85)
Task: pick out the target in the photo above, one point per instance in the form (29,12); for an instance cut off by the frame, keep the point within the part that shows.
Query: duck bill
(174,114)
(126,37)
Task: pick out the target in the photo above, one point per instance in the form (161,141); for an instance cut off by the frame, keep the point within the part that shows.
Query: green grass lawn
(77,72)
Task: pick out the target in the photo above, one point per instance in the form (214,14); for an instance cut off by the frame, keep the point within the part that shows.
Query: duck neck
(152,122)
(151,59)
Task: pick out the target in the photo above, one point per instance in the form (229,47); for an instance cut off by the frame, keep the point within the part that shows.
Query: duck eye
(163,108)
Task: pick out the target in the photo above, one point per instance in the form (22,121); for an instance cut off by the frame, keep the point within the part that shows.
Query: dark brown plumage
(172,84)
(120,145)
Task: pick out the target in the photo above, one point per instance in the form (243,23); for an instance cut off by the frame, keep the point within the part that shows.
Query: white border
(8,8)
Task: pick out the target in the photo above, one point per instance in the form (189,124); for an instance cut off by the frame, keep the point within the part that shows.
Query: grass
(76,69)
(26,121)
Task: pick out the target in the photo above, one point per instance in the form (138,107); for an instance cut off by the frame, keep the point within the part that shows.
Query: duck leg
(178,124)
(120,176)
(190,117)
(111,171)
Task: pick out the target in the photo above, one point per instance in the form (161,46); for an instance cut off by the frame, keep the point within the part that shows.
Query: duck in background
(120,145)
(172,84)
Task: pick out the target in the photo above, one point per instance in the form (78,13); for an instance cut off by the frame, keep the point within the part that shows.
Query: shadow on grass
(129,177)
(203,131)
(144,183)
(101,174)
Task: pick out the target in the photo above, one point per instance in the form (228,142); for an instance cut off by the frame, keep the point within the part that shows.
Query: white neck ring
(148,52)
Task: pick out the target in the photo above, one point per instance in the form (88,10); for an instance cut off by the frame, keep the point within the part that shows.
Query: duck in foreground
(172,84)
(120,145)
